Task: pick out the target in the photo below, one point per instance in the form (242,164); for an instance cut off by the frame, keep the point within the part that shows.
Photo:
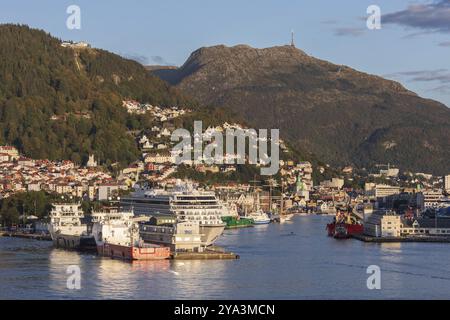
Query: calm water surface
(295,260)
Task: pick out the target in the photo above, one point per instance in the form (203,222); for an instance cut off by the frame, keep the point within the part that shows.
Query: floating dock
(213,253)
(31,236)
(430,239)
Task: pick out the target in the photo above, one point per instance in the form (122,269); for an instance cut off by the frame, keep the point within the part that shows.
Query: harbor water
(294,260)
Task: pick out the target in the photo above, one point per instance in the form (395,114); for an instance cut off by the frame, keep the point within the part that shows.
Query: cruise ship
(184,202)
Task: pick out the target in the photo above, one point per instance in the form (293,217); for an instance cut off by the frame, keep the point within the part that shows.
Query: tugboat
(344,226)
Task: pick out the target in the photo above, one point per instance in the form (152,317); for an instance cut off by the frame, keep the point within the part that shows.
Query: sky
(412,46)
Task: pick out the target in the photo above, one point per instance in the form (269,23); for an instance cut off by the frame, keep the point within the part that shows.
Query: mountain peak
(246,52)
(336,112)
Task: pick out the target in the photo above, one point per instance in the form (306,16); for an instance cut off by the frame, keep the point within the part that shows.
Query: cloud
(160,61)
(431,17)
(444,89)
(354,32)
(444,44)
(441,76)
(136,57)
(144,60)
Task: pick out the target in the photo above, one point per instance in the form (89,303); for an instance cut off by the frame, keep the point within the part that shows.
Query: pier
(31,236)
(213,253)
(431,239)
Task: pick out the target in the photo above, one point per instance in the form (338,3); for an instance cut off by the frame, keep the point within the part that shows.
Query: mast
(282,197)
(256,203)
(292,39)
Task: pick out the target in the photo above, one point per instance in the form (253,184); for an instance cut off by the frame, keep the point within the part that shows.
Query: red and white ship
(116,234)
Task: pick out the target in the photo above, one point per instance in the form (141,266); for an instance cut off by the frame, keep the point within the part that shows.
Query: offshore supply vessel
(344,226)
(116,234)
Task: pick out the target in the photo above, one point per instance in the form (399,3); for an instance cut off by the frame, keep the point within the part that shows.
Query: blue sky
(412,47)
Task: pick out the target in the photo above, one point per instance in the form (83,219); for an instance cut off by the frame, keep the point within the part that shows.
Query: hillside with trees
(65,103)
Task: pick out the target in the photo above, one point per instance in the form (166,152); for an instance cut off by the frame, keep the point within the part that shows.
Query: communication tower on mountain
(292,39)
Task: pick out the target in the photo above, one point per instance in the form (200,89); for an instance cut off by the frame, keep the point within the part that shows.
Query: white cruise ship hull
(210,233)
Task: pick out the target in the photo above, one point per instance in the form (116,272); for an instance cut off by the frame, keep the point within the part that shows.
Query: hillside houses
(20,174)
(161,114)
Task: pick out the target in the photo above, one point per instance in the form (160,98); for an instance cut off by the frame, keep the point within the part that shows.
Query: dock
(430,239)
(31,236)
(213,253)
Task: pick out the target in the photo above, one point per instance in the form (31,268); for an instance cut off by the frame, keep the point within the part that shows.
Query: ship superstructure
(186,204)
(67,227)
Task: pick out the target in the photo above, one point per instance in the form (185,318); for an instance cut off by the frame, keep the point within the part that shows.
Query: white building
(159,158)
(11,151)
(447,183)
(78,45)
(91,162)
(383,225)
(390,172)
(107,191)
(165,133)
(382,190)
(432,198)
(432,227)
(335,183)
(4,157)
(35,186)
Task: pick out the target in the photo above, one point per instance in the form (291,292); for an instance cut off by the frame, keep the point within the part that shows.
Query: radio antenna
(292,39)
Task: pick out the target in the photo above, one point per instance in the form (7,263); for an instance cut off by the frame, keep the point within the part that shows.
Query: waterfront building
(389,224)
(383,224)
(426,226)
